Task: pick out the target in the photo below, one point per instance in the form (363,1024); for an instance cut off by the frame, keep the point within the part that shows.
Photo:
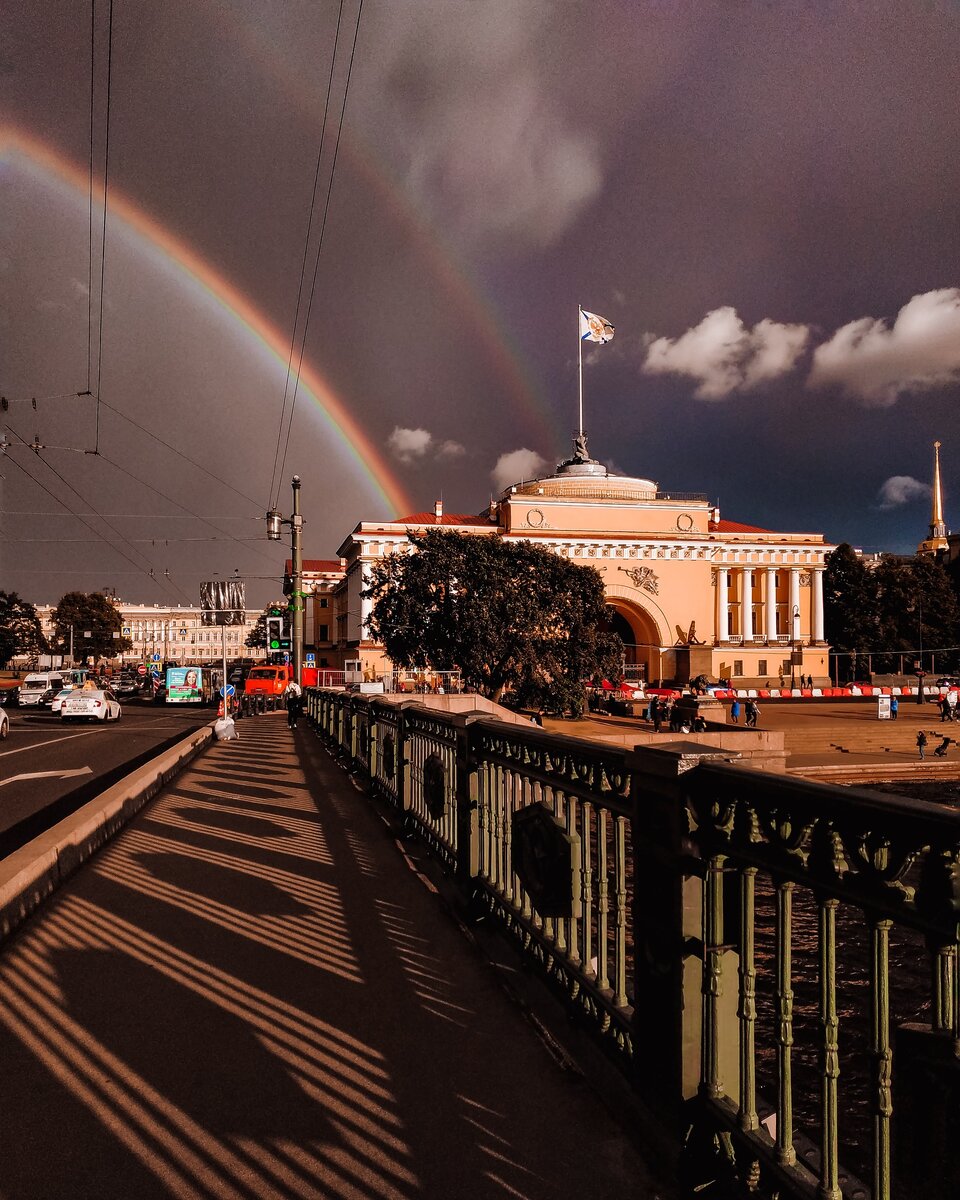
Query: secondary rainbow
(46,161)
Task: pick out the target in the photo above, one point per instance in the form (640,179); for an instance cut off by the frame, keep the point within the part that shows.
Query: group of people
(662,712)
(948,706)
(751,710)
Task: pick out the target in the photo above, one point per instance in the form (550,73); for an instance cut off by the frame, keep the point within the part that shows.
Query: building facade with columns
(690,592)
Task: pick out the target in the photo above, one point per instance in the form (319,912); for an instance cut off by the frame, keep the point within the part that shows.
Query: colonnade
(766,630)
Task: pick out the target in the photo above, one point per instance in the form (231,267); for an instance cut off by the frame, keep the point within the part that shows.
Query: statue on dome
(580,452)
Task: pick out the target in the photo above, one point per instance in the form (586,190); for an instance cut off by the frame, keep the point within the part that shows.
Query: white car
(57,702)
(91,704)
(4,724)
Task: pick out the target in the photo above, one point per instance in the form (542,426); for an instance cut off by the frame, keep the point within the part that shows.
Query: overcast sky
(762,198)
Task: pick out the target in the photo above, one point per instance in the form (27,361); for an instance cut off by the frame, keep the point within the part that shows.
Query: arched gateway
(642,646)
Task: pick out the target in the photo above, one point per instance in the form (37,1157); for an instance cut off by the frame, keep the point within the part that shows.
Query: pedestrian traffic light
(275,633)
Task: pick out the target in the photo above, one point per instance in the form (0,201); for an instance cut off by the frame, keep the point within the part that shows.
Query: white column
(723,601)
(771,604)
(795,603)
(817,583)
(746,604)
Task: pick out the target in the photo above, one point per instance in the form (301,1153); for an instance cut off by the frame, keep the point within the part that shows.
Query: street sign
(311,658)
(230,690)
(156,658)
(142,669)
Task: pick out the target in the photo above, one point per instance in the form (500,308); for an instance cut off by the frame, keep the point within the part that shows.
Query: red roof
(736,527)
(316,564)
(429,518)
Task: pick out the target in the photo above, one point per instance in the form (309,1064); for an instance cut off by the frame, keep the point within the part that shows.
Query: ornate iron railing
(773,962)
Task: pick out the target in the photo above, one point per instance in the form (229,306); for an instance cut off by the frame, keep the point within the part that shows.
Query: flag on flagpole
(594,328)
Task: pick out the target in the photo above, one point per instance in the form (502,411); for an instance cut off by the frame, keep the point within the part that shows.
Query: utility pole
(296,599)
(274,522)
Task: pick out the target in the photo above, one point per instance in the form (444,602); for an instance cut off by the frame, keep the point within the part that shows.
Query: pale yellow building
(691,593)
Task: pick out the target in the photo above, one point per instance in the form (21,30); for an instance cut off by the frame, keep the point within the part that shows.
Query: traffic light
(275,633)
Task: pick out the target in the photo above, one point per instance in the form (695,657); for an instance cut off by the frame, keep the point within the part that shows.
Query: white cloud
(517,465)
(409,444)
(901,489)
(874,363)
(450,449)
(725,355)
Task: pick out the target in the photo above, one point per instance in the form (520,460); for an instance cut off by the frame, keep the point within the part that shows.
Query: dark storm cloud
(769,190)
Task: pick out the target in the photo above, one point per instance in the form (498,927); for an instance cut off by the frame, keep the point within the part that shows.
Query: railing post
(682,977)
(468,823)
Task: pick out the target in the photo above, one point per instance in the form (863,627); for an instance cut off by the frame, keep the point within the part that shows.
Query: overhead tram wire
(111,527)
(103,237)
(274,496)
(186,457)
(93,69)
(151,574)
(323,226)
(178,503)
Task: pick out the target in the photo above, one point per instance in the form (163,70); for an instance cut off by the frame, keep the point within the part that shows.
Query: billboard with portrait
(184,685)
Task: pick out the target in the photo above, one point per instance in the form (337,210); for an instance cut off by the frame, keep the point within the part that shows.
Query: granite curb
(34,872)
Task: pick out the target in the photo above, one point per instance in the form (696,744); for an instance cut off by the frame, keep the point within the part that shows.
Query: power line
(323,226)
(178,503)
(103,239)
(139,569)
(185,457)
(275,478)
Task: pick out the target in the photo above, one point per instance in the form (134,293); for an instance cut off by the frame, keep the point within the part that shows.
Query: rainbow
(39,159)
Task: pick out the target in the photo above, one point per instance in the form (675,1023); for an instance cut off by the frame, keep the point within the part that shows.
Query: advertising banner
(184,685)
(222,602)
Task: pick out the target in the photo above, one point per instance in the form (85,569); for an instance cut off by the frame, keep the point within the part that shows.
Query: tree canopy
(89,613)
(20,631)
(899,605)
(507,615)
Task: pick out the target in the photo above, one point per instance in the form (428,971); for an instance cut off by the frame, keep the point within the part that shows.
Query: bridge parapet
(773,962)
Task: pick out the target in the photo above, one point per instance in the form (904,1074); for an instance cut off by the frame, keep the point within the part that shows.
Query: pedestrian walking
(894,707)
(735,712)
(921,742)
(751,712)
(944,709)
(293,694)
(952,702)
(656,714)
(941,750)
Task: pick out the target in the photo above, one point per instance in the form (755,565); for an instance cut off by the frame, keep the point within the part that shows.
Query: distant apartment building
(175,634)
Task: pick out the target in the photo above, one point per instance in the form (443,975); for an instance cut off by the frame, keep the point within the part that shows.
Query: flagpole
(580,371)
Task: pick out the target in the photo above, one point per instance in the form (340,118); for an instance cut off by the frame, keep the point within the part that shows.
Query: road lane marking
(48,775)
(35,745)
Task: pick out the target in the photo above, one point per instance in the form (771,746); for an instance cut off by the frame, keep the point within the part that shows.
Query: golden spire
(937,541)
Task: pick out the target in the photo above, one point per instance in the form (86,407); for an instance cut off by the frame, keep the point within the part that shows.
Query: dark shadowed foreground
(249,995)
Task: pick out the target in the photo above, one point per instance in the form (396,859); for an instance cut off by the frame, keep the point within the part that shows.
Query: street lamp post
(274,523)
(795,620)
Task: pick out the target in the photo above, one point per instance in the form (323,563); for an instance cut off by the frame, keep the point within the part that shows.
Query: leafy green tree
(257,637)
(20,631)
(507,615)
(850,608)
(89,612)
(917,607)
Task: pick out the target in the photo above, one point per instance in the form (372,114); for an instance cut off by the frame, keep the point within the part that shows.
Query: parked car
(91,704)
(4,724)
(949,681)
(59,698)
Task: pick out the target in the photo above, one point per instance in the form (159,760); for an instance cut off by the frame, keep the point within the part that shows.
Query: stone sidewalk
(248,995)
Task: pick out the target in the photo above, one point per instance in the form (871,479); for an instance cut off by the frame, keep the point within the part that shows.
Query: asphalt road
(44,760)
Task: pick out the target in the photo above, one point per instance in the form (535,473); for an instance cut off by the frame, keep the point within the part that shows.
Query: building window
(324,602)
(324,633)
(762,667)
(738,666)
